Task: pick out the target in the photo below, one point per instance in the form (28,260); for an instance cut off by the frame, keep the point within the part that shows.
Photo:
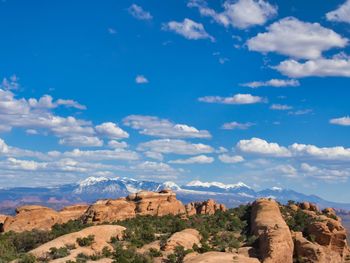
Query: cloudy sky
(246,90)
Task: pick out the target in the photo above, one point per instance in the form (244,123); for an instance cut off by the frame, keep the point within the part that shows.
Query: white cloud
(280,107)
(292,37)
(341,14)
(81,141)
(154,126)
(97,155)
(286,170)
(111,130)
(344,121)
(235,99)
(10,84)
(236,125)
(140,79)
(188,29)
(261,147)
(338,153)
(272,83)
(139,13)
(300,112)
(324,173)
(338,66)
(200,159)
(225,158)
(168,146)
(3,147)
(117,145)
(154,155)
(154,167)
(240,14)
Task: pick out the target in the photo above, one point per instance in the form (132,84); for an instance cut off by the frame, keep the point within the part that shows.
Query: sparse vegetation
(86,241)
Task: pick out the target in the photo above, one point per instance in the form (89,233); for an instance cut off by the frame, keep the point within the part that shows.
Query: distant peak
(171,185)
(217,184)
(93,180)
(275,188)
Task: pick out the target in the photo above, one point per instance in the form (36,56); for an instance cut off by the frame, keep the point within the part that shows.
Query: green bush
(86,241)
(129,255)
(61,252)
(178,255)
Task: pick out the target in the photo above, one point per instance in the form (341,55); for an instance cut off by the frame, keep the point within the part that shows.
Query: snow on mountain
(197,183)
(170,185)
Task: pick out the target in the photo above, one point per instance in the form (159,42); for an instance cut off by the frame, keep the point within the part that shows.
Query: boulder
(306,251)
(185,238)
(109,211)
(274,237)
(207,207)
(157,204)
(215,257)
(72,212)
(32,217)
(3,218)
(102,235)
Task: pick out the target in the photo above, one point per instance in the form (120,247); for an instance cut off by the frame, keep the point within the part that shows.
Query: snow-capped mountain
(218,187)
(94,188)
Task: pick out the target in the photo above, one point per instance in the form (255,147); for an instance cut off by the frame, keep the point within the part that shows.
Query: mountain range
(94,188)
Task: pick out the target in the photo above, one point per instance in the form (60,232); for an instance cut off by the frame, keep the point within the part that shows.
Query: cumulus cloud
(141,79)
(225,158)
(168,146)
(111,130)
(37,114)
(292,37)
(241,14)
(154,155)
(337,66)
(341,14)
(117,145)
(200,159)
(235,99)
(154,126)
(324,173)
(81,141)
(3,146)
(343,121)
(237,126)
(261,147)
(139,13)
(188,29)
(280,107)
(272,83)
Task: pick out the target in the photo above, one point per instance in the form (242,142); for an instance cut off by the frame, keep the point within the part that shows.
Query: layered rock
(307,251)
(3,218)
(185,238)
(72,212)
(207,207)
(32,217)
(274,237)
(102,236)
(107,211)
(215,257)
(157,204)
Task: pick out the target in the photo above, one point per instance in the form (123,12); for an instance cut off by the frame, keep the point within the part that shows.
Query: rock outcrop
(107,211)
(185,238)
(102,236)
(207,207)
(72,212)
(3,218)
(215,257)
(274,237)
(32,217)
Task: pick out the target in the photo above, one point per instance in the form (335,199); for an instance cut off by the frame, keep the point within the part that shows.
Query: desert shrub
(129,255)
(66,228)
(154,253)
(26,258)
(225,240)
(106,252)
(61,252)
(178,255)
(86,241)
(81,258)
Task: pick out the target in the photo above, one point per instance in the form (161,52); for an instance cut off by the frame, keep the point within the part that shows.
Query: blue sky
(248,90)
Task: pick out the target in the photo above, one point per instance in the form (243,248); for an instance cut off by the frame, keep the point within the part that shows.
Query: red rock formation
(72,212)
(207,207)
(274,237)
(185,238)
(30,217)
